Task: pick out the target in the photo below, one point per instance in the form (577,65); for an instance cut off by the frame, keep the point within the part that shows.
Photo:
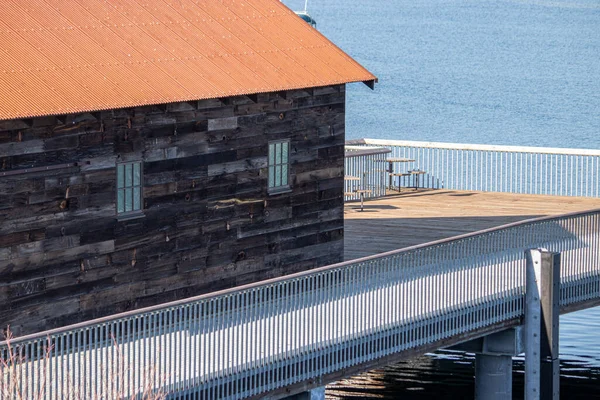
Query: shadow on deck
(412,218)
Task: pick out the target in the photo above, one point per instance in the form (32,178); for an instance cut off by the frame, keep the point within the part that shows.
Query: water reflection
(450,375)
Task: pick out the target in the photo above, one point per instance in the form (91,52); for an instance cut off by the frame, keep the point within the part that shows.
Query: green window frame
(279,163)
(129,188)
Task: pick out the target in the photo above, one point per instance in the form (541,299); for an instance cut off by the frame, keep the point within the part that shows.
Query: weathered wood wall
(209,222)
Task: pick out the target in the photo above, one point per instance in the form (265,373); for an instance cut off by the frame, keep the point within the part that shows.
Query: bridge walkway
(280,337)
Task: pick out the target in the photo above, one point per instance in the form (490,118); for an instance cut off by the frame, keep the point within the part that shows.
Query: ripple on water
(450,374)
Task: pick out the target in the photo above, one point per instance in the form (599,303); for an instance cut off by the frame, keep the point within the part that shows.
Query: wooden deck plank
(412,218)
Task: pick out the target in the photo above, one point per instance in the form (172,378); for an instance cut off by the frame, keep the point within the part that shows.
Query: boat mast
(302,14)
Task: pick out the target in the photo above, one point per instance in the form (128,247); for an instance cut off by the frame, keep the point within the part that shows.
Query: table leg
(362,197)
(390,172)
(417,181)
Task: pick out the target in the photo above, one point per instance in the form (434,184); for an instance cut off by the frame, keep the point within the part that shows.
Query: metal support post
(541,325)
(550,372)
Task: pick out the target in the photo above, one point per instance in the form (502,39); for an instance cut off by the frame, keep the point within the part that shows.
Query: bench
(399,175)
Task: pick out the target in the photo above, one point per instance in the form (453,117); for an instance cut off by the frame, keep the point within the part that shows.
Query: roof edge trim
(153,103)
(371,83)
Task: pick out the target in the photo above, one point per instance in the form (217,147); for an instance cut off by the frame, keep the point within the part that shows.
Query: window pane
(271,176)
(120,201)
(129,187)
(278,176)
(271,154)
(128,199)
(278,164)
(284,175)
(120,175)
(128,175)
(284,152)
(136,174)
(278,153)
(137,198)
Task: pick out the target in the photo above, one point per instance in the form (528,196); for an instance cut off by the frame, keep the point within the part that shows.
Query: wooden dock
(412,218)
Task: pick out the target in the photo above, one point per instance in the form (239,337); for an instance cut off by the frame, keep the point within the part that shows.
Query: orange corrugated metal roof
(68,56)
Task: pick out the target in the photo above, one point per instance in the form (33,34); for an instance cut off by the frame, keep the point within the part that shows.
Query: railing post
(541,325)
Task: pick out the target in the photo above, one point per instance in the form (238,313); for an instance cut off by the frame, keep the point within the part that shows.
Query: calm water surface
(493,72)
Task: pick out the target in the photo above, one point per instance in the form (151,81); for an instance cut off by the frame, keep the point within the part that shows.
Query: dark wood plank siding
(209,222)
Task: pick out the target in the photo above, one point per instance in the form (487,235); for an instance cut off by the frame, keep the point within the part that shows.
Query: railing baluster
(528,170)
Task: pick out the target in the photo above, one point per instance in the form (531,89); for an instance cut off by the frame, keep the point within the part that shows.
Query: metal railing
(511,169)
(254,339)
(365,164)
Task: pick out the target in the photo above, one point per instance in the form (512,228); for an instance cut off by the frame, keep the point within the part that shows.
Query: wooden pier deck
(412,218)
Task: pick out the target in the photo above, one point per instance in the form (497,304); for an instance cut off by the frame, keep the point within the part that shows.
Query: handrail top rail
(359,151)
(476,147)
(315,271)
(350,147)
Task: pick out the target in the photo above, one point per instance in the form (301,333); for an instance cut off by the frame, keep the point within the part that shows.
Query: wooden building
(151,152)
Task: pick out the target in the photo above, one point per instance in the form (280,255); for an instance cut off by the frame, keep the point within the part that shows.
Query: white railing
(511,169)
(254,339)
(364,170)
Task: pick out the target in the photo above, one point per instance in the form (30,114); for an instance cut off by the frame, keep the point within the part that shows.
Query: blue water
(491,72)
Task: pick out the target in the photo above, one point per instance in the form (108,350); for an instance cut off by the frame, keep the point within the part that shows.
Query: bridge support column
(493,362)
(493,377)
(314,394)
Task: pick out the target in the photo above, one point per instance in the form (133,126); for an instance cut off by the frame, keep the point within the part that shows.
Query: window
(129,188)
(278,166)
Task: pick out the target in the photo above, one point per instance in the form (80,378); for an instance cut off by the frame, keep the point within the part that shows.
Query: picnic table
(391,174)
(360,192)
